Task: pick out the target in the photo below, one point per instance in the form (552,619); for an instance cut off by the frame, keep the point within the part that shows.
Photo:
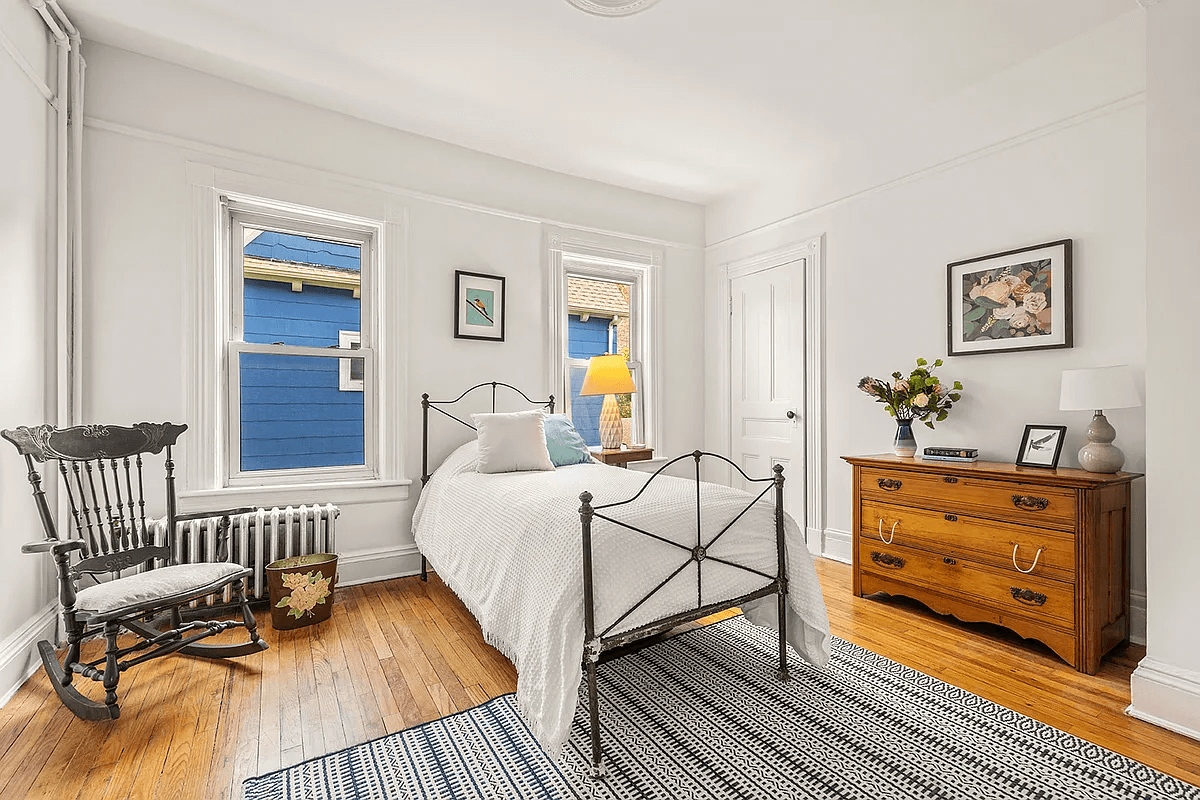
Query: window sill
(355,492)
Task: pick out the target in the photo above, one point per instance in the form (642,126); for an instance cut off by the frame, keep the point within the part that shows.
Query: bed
(563,568)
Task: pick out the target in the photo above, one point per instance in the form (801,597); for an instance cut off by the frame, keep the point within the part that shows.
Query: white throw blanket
(510,546)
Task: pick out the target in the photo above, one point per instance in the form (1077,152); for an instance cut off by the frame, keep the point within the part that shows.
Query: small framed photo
(478,306)
(1010,301)
(1041,446)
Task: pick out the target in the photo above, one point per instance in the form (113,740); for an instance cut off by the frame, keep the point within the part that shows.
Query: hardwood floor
(403,652)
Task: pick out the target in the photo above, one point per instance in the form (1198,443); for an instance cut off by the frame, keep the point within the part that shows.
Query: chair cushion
(154,584)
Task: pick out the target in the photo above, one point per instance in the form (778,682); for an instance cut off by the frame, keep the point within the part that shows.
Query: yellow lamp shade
(607,375)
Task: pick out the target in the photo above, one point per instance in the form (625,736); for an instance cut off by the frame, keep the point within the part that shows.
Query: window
(300,297)
(603,305)
(350,370)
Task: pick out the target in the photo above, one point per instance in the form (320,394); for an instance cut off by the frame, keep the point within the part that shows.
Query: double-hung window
(603,304)
(300,299)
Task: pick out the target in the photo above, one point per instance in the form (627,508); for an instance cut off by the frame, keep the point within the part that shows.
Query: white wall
(148,119)
(887,248)
(26,326)
(1166,685)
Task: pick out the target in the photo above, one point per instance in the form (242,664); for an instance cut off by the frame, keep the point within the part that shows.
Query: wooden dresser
(1044,553)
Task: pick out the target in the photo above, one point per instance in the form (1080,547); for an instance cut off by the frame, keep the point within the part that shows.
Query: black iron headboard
(427,404)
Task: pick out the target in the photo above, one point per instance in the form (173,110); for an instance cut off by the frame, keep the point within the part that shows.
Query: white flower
(1035,302)
(1007,311)
(921,400)
(1020,320)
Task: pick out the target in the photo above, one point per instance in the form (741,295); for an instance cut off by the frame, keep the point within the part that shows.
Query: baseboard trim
(380,564)
(19,658)
(1137,617)
(838,545)
(1166,696)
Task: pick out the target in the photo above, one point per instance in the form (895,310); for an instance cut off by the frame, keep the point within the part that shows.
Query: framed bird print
(1041,446)
(478,306)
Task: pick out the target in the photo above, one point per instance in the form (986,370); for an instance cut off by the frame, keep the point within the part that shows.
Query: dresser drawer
(1026,504)
(1039,599)
(975,538)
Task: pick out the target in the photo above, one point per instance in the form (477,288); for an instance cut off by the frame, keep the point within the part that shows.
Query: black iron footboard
(598,643)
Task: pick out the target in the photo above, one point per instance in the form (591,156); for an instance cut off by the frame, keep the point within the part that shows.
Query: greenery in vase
(921,396)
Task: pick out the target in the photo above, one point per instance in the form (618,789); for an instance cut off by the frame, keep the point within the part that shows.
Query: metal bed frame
(604,645)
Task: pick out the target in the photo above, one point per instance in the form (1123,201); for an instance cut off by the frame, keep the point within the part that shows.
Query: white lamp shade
(1097,389)
(607,375)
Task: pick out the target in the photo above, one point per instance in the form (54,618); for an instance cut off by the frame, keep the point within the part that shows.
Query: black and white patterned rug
(702,716)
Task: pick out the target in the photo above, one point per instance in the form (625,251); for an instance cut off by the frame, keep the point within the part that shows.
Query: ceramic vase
(905,444)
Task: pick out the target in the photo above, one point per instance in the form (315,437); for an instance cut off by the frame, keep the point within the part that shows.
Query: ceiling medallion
(612,8)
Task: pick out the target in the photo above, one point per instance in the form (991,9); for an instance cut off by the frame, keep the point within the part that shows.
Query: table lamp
(608,375)
(1097,389)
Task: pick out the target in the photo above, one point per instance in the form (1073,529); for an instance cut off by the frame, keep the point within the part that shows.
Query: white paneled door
(766,349)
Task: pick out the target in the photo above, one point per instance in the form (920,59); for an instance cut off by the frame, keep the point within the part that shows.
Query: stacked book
(951,453)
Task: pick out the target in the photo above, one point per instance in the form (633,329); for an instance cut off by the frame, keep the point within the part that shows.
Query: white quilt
(510,546)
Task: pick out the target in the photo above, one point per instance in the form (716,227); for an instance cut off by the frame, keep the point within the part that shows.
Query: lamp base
(611,429)
(1100,454)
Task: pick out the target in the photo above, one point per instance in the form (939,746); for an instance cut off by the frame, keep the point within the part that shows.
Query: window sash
(237,216)
(281,477)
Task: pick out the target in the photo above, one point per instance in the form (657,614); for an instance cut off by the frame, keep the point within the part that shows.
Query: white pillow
(512,442)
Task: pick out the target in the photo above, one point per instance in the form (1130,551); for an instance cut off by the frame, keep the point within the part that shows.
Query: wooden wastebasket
(301,589)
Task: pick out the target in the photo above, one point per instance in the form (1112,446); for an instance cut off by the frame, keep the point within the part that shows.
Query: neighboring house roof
(293,249)
(596,297)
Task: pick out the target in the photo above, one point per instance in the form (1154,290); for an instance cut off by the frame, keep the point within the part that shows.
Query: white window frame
(212,307)
(609,259)
(347,341)
(237,215)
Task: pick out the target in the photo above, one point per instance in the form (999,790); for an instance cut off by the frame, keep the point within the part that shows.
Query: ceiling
(689,99)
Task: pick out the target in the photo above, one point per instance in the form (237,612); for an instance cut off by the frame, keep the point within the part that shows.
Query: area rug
(701,716)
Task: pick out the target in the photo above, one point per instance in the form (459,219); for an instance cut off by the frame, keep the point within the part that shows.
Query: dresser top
(995,469)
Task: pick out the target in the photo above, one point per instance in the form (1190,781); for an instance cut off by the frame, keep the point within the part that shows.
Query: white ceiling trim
(612,8)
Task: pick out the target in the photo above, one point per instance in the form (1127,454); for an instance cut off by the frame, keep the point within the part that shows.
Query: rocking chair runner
(101,468)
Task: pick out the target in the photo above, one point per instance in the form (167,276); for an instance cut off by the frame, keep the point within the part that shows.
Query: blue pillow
(565,444)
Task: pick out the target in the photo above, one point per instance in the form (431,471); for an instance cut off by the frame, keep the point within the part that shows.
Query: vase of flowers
(921,396)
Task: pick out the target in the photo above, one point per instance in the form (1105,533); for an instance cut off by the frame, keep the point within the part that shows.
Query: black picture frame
(474,316)
(1037,443)
(1036,293)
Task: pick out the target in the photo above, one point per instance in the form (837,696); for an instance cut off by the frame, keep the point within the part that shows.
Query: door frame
(807,260)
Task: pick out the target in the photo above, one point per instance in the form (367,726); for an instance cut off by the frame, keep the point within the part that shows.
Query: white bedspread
(510,546)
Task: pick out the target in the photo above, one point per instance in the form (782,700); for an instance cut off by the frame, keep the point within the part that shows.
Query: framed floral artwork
(478,306)
(1015,300)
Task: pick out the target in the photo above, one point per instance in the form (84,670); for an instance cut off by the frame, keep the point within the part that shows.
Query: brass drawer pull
(1032,566)
(949,560)
(951,518)
(950,480)
(887,559)
(1030,503)
(889,484)
(891,536)
(1028,596)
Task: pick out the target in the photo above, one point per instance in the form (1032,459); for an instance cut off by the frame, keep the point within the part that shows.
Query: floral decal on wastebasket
(308,590)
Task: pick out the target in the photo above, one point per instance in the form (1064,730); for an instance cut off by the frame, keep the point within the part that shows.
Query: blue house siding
(584,340)
(293,414)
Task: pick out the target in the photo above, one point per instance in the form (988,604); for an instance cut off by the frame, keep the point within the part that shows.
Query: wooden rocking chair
(101,468)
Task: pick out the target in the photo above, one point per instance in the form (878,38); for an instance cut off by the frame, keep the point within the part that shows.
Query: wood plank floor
(402,652)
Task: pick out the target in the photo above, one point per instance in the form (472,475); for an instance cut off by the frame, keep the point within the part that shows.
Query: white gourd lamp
(1097,389)
(608,375)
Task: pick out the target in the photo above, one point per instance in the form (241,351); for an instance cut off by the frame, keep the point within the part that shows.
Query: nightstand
(621,458)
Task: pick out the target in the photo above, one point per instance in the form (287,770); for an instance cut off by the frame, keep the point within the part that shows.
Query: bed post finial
(551,404)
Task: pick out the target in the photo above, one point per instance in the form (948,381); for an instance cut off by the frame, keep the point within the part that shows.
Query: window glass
(300,412)
(599,321)
(294,415)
